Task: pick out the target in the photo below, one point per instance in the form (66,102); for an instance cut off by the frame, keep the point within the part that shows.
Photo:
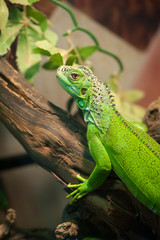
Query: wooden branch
(57,142)
(152,119)
(54,139)
(47,133)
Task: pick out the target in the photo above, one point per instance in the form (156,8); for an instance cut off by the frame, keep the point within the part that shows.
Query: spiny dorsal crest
(111,97)
(89,74)
(99,94)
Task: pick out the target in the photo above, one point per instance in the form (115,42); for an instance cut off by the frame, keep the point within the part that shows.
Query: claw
(80,196)
(73,199)
(82,189)
(72,193)
(80,178)
(74,185)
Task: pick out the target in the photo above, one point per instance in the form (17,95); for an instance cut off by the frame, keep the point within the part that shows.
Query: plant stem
(77,27)
(24,12)
(67,9)
(114,56)
(88,32)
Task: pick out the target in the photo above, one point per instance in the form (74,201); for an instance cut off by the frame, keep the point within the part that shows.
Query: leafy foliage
(37,17)
(128,108)
(29,26)
(133,95)
(71,60)
(45,47)
(23,2)
(34,39)
(3,15)
(33,1)
(86,52)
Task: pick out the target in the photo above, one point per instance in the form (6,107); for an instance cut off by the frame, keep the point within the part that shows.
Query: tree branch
(45,131)
(152,119)
(54,139)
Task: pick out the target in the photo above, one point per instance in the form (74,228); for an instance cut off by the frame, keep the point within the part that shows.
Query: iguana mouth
(61,82)
(66,84)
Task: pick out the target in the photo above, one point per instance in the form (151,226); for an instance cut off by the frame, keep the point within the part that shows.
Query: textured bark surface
(48,134)
(56,141)
(152,120)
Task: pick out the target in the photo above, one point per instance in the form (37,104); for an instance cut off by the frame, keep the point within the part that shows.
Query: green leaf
(129,111)
(51,37)
(27,61)
(57,59)
(85,52)
(134,95)
(3,15)
(112,85)
(50,66)
(45,48)
(41,51)
(15,15)
(8,36)
(33,1)
(39,17)
(11,31)
(22,2)
(30,72)
(113,82)
(71,60)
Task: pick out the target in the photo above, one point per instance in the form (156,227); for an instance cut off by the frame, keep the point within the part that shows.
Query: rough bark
(48,134)
(152,119)
(56,141)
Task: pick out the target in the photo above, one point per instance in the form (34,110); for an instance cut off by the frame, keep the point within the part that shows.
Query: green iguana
(113,141)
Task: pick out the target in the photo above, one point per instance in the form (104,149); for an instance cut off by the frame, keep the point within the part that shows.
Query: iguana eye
(74,76)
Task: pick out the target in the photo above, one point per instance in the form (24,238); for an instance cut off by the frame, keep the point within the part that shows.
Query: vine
(77,27)
(30,27)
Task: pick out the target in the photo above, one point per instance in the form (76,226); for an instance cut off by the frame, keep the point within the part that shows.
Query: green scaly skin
(113,141)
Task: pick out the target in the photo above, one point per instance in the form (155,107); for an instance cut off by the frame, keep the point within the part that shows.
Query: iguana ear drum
(83,91)
(81,103)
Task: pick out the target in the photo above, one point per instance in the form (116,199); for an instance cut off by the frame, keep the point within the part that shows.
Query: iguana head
(77,82)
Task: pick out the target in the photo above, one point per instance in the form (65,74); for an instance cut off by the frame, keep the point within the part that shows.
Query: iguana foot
(82,189)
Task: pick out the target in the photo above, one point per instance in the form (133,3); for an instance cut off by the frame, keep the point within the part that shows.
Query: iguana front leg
(101,170)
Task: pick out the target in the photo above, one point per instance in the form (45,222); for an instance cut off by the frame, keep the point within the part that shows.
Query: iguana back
(112,140)
(135,157)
